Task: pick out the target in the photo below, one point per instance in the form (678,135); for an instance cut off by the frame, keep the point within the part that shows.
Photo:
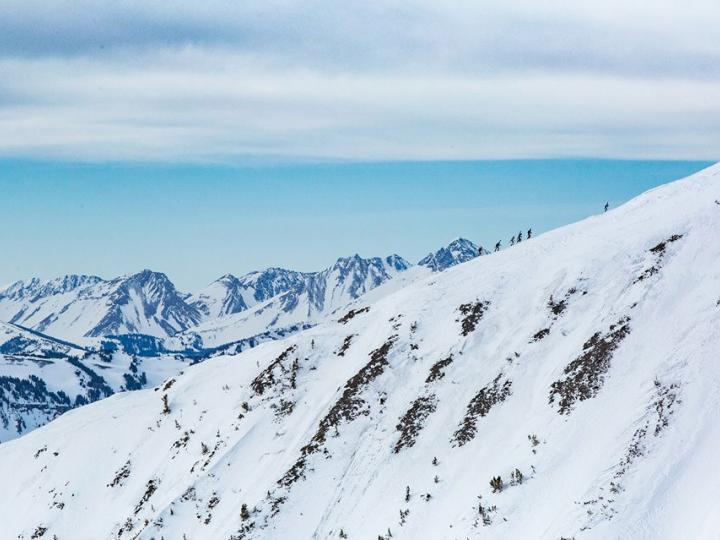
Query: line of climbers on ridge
(517,239)
(514,240)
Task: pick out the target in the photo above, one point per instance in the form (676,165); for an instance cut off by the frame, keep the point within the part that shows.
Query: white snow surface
(620,311)
(41,377)
(73,307)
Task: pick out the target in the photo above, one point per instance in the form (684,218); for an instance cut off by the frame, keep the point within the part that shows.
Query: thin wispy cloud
(227,81)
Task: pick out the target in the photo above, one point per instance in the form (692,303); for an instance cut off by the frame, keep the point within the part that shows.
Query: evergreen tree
(516,477)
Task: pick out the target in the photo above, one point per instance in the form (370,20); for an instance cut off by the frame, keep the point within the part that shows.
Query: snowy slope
(21,341)
(42,377)
(72,307)
(584,359)
(223,296)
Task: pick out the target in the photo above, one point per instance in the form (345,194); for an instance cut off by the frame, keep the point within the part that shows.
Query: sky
(199,138)
(223,81)
(198,222)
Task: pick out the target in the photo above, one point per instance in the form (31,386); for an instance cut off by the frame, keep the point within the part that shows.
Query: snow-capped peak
(36,289)
(146,302)
(458,251)
(222,297)
(71,307)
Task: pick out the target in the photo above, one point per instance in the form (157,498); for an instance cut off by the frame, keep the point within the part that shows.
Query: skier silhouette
(480,251)
(519,237)
(497,246)
(607,205)
(529,234)
(512,241)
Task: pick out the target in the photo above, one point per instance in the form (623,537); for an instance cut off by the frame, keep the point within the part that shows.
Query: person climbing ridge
(480,251)
(607,205)
(497,246)
(512,241)
(519,237)
(529,235)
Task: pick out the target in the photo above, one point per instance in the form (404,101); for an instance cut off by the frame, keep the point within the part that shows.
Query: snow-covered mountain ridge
(282,299)
(564,388)
(458,251)
(74,307)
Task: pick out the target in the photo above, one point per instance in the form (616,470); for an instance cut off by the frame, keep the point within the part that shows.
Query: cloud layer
(232,81)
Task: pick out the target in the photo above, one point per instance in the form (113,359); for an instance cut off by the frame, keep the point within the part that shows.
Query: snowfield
(579,367)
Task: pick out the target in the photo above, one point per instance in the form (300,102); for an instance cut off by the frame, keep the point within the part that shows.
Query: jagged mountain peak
(224,296)
(393,261)
(35,288)
(228,278)
(456,252)
(146,302)
(146,276)
(74,306)
(397,262)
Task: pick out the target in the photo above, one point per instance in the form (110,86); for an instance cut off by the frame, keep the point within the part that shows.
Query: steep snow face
(264,285)
(351,277)
(145,303)
(346,280)
(566,387)
(458,251)
(222,297)
(72,307)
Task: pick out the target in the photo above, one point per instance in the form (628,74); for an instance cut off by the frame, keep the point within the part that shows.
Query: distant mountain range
(75,306)
(78,306)
(78,338)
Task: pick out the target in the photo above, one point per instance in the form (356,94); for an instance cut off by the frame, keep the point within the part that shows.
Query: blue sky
(197,222)
(222,136)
